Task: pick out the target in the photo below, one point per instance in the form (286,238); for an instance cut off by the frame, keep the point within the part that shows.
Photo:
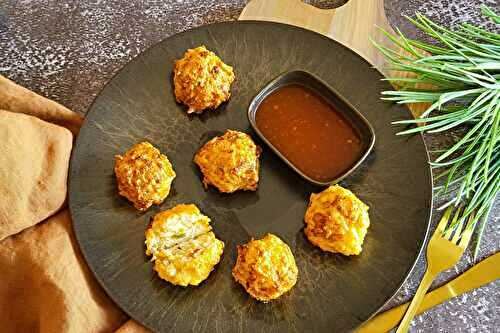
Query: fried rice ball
(144,175)
(265,268)
(201,80)
(337,221)
(176,225)
(190,262)
(230,162)
(182,245)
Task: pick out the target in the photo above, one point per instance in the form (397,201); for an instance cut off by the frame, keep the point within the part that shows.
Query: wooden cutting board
(353,25)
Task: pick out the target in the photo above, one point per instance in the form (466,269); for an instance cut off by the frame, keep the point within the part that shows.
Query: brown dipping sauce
(309,132)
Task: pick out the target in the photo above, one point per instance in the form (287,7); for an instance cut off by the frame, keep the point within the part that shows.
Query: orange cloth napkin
(45,285)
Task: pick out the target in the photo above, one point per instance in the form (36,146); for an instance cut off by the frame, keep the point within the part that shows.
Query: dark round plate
(333,292)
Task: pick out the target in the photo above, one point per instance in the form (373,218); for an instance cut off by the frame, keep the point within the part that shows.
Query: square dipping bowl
(310,82)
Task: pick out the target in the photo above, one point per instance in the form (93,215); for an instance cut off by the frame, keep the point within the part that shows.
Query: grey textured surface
(67,50)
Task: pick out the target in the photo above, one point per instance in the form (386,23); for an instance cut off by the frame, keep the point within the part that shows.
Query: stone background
(68,49)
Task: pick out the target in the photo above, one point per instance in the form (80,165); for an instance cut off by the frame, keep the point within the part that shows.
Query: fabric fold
(18,99)
(132,326)
(46,286)
(34,158)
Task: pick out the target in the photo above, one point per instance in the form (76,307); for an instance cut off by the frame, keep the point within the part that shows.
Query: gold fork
(443,252)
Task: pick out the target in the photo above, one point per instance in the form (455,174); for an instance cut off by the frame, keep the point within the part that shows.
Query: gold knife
(485,272)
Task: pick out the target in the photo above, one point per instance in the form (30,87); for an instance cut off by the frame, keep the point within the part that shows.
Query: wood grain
(353,25)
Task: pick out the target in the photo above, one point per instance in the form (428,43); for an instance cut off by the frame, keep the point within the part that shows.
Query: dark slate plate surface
(333,293)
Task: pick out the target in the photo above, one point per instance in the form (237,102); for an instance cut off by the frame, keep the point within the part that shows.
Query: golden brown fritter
(182,245)
(230,162)
(337,221)
(190,262)
(174,226)
(265,268)
(144,175)
(201,80)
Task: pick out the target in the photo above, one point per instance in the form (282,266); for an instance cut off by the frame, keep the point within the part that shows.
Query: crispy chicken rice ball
(337,221)
(144,175)
(265,268)
(182,245)
(201,80)
(230,162)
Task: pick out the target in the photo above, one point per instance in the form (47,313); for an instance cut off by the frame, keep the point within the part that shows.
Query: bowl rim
(274,85)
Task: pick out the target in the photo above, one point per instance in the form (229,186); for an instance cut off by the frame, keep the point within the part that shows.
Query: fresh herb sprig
(459,76)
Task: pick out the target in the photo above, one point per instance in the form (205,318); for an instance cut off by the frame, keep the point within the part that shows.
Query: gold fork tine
(448,232)
(466,235)
(458,231)
(444,221)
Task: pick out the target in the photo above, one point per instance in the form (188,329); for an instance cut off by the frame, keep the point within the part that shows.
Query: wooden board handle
(352,24)
(294,12)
